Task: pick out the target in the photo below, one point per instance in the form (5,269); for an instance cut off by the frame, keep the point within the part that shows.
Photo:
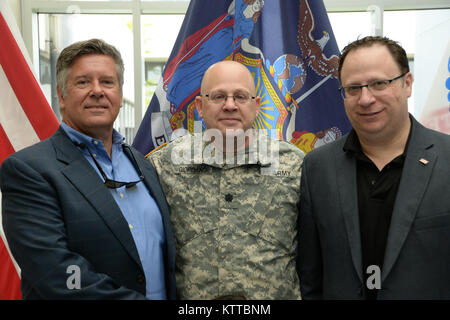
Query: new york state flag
(289,47)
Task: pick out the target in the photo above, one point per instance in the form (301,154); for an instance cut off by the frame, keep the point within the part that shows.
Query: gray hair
(81,48)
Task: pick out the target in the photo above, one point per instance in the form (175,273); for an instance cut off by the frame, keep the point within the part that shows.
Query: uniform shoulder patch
(157,148)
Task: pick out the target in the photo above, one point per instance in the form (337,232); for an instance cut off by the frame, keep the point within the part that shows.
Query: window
(345,32)
(57,31)
(159,35)
(424,35)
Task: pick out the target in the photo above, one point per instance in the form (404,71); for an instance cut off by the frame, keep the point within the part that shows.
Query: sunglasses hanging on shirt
(109,183)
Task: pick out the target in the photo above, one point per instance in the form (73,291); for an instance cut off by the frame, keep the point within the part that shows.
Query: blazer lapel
(86,180)
(414,180)
(347,190)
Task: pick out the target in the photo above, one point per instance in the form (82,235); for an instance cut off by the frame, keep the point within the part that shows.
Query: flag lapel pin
(424,161)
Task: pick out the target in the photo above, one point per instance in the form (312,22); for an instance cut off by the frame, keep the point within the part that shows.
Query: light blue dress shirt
(137,205)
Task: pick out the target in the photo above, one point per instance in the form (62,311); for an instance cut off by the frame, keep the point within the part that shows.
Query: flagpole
(316,86)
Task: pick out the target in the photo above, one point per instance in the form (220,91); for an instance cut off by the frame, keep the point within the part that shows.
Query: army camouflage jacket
(235,222)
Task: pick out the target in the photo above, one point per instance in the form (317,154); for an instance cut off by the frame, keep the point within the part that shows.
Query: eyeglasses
(112,184)
(221,98)
(374,87)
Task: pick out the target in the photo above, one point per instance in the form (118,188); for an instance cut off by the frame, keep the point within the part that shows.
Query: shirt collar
(250,154)
(78,137)
(353,146)
(352,143)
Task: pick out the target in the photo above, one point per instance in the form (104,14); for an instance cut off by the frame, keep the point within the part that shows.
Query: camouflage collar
(251,155)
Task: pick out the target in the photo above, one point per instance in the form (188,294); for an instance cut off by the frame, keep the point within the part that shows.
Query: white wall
(431,42)
(15,8)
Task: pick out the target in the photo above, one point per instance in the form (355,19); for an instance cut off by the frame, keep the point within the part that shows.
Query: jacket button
(228,197)
(141,278)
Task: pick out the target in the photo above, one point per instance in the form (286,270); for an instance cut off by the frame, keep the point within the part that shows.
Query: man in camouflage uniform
(234,210)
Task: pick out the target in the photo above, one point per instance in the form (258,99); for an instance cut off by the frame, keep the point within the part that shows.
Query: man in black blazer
(375,215)
(83,213)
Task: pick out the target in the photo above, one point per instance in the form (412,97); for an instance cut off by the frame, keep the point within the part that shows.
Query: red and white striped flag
(25,118)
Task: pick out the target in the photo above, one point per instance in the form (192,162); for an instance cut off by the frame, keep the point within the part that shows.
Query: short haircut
(81,48)
(397,52)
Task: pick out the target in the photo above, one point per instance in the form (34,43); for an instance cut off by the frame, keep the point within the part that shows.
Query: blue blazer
(57,213)
(417,257)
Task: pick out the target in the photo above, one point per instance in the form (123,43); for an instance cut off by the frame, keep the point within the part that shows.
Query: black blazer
(417,257)
(57,213)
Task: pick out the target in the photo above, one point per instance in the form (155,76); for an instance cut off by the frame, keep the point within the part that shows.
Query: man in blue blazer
(83,213)
(375,212)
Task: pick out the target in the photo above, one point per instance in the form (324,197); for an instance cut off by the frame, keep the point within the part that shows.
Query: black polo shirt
(376,197)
